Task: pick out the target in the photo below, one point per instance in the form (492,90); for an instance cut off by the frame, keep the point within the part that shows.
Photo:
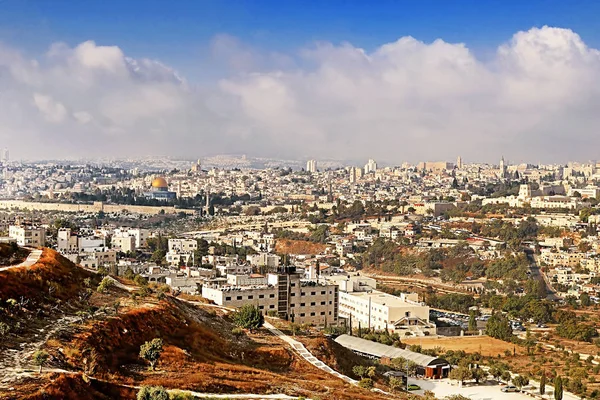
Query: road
(31,259)
(537,274)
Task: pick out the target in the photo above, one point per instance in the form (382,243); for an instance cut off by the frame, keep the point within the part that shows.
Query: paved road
(31,259)
(541,277)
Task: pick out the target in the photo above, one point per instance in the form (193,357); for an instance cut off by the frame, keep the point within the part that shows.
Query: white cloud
(406,100)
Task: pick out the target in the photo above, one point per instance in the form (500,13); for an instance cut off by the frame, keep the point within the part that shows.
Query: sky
(349,80)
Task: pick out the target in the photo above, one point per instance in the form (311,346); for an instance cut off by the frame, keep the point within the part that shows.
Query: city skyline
(391,92)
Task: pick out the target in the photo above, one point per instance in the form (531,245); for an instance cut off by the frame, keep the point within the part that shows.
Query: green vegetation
(105,284)
(150,351)
(40,358)
(152,393)
(498,327)
(571,327)
(558,388)
(248,317)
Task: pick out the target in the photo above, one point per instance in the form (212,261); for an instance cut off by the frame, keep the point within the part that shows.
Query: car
(412,386)
(510,389)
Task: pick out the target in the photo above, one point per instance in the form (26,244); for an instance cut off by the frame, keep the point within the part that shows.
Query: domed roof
(160,183)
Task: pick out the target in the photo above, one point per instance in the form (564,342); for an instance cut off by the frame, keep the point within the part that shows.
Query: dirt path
(15,364)
(31,259)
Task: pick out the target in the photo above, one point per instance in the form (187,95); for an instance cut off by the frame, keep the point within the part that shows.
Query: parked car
(510,389)
(412,386)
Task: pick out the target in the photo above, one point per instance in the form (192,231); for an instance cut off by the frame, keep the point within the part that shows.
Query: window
(250,297)
(261,296)
(292,305)
(322,312)
(302,294)
(302,314)
(239,297)
(313,303)
(272,306)
(322,303)
(292,294)
(302,304)
(323,292)
(312,314)
(228,298)
(292,284)
(271,296)
(407,314)
(330,302)
(313,293)
(261,307)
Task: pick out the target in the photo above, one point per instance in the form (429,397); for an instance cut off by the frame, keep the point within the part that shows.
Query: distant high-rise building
(459,163)
(197,166)
(355,174)
(502,168)
(311,166)
(370,166)
(4,156)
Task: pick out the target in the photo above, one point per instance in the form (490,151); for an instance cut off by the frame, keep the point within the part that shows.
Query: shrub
(248,317)
(181,396)
(39,358)
(366,383)
(152,393)
(237,331)
(150,351)
(106,284)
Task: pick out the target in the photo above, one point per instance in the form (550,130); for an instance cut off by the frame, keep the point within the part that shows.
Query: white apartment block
(263,260)
(182,245)
(124,243)
(177,259)
(140,235)
(66,241)
(311,166)
(28,235)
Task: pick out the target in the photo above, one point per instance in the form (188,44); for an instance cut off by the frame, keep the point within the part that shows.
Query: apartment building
(123,242)
(301,301)
(264,260)
(140,235)
(182,245)
(26,235)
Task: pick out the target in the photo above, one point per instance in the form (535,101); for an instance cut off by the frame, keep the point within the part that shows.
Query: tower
(502,168)
(311,166)
(459,163)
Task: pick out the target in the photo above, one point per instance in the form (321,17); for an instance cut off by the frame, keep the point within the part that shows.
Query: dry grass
(286,246)
(485,345)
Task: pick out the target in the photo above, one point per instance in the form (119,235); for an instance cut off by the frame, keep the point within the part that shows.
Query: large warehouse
(430,367)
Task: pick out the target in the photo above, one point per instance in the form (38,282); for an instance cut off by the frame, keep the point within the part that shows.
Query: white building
(311,166)
(140,235)
(182,245)
(123,242)
(381,311)
(263,260)
(28,235)
(370,166)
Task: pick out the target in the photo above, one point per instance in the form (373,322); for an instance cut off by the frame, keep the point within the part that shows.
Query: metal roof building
(433,367)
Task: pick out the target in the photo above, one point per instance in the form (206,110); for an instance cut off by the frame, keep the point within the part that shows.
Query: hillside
(288,246)
(93,344)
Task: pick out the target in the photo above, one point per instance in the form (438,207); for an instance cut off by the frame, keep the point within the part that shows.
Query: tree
(498,327)
(520,381)
(359,370)
(366,383)
(496,372)
(543,383)
(152,393)
(585,300)
(105,284)
(472,321)
(248,317)
(460,373)
(478,374)
(40,358)
(506,376)
(558,388)
(150,351)
(396,384)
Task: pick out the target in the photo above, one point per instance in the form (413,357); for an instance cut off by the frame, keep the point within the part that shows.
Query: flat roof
(381,350)
(384,299)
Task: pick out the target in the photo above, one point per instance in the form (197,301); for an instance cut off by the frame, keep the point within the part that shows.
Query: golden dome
(160,183)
